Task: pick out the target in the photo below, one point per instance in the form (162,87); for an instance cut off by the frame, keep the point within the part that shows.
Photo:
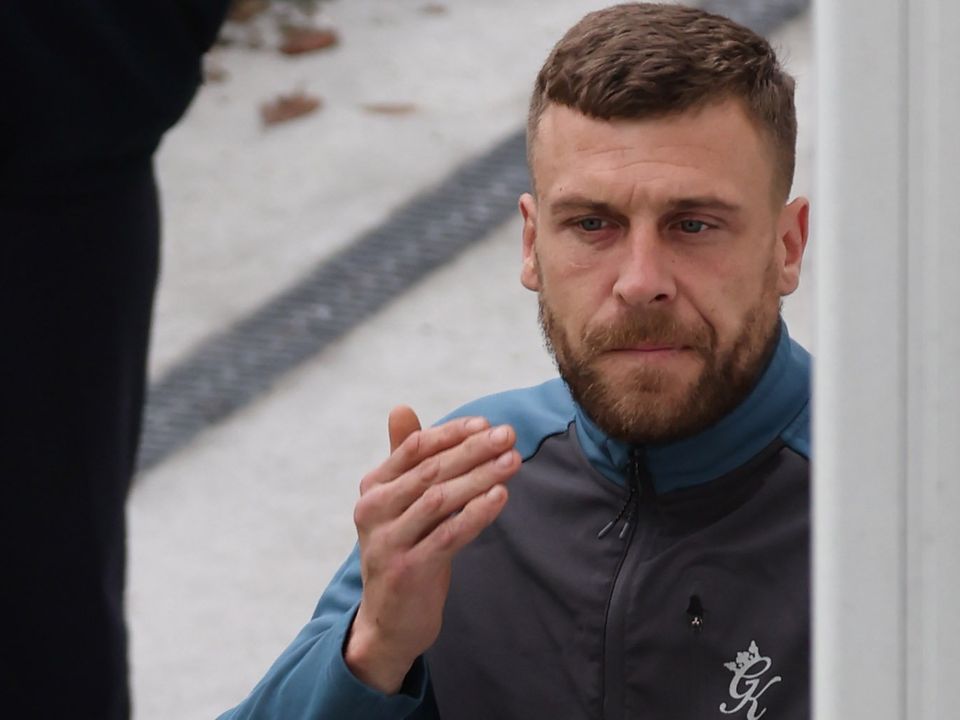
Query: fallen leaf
(245,10)
(287,107)
(298,39)
(433,9)
(387,108)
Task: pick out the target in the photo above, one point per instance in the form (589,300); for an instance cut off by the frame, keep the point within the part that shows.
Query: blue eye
(693,226)
(591,224)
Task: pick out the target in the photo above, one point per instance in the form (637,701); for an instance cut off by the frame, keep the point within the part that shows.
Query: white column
(887,378)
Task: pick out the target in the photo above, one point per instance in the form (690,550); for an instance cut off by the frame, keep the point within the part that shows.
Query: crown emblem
(744,659)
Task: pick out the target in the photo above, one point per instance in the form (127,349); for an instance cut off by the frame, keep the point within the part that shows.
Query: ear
(792,230)
(529,276)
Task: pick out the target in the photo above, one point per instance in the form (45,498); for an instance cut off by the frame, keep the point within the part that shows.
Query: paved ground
(232,539)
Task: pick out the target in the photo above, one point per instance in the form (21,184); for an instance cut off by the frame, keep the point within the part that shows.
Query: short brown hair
(643,60)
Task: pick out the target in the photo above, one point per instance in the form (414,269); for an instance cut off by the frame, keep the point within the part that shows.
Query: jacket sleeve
(310,680)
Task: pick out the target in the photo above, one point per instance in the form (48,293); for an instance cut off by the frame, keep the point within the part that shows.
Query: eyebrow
(707,202)
(579,203)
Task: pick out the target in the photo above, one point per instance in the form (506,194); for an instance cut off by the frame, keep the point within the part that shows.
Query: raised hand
(437,491)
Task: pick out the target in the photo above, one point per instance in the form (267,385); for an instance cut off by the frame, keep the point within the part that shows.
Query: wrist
(371,661)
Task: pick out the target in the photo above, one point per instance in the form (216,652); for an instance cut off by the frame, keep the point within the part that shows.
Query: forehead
(714,150)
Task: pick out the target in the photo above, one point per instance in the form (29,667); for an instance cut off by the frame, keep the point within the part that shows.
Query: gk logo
(747,670)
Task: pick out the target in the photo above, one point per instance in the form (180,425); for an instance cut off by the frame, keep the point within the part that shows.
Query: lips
(646,353)
(648,348)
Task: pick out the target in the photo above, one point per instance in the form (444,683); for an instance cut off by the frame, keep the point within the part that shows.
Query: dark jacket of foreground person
(88,89)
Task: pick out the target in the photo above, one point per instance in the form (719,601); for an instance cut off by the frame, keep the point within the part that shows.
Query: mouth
(648,347)
(651,352)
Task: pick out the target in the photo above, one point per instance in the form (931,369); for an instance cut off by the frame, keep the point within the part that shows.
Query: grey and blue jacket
(667,582)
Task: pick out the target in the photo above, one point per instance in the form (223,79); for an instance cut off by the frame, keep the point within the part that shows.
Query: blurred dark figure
(87,89)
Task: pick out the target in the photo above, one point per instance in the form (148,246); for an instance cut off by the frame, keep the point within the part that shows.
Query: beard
(649,404)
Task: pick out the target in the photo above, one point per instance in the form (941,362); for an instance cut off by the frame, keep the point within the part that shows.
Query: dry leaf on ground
(298,40)
(287,107)
(388,108)
(245,10)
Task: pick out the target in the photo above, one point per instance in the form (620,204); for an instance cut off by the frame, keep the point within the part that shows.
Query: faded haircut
(647,60)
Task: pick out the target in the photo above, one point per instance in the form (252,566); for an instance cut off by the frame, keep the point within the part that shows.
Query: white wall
(887,380)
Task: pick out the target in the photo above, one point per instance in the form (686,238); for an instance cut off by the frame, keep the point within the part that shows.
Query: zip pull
(626,525)
(629,506)
(623,511)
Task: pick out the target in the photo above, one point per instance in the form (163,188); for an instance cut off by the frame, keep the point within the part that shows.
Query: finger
(401,423)
(456,531)
(443,499)
(420,445)
(392,499)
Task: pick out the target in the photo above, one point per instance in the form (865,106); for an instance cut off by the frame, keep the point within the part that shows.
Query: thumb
(401,423)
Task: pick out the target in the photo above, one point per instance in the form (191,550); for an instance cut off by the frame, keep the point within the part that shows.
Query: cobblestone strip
(231,368)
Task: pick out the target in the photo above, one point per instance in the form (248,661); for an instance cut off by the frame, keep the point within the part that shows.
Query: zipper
(612,696)
(636,477)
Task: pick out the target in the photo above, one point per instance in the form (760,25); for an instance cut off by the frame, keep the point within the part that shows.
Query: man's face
(660,256)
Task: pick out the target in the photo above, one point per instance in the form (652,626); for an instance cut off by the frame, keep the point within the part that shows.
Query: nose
(646,272)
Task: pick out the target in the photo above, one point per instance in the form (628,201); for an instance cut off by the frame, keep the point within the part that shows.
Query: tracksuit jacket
(664,582)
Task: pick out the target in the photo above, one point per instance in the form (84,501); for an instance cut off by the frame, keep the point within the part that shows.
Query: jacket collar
(780,395)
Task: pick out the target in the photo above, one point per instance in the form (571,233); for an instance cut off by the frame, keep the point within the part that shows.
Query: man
(91,88)
(652,559)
